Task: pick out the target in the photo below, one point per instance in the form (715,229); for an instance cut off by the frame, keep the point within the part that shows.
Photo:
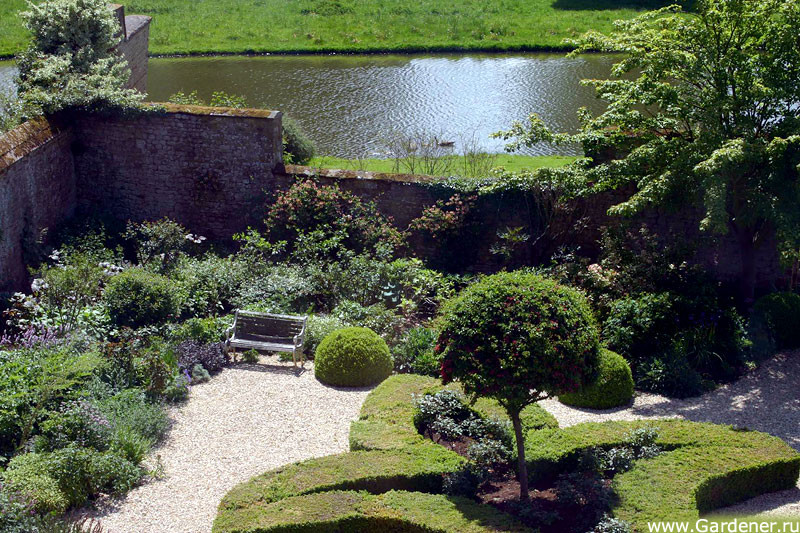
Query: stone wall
(135,48)
(37,191)
(206,168)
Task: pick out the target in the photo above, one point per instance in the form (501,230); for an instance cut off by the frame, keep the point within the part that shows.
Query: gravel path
(765,400)
(248,419)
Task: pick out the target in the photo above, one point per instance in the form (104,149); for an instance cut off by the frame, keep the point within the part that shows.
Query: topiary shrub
(352,357)
(137,298)
(612,388)
(298,149)
(518,338)
(779,314)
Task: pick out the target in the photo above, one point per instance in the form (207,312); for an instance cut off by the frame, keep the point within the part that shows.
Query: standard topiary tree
(352,357)
(518,338)
(612,387)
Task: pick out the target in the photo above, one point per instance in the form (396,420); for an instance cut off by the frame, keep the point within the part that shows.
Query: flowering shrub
(209,356)
(77,422)
(445,218)
(160,244)
(335,214)
(518,338)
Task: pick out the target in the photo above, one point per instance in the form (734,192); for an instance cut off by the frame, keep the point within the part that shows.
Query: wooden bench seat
(267,332)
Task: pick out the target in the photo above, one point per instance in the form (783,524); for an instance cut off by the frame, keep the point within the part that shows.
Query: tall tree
(705,107)
(70,61)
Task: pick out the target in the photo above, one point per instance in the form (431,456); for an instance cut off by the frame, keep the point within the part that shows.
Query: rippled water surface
(350,105)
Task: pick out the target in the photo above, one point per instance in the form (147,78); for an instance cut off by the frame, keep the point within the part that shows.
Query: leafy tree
(70,61)
(518,338)
(705,106)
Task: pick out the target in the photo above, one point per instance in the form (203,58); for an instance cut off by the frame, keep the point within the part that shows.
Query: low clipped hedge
(613,386)
(353,357)
(417,469)
(704,466)
(356,512)
(386,421)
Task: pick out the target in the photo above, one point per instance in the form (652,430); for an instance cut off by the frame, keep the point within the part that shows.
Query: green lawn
(196,26)
(509,162)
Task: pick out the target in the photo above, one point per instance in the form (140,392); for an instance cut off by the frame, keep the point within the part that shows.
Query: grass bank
(509,162)
(240,26)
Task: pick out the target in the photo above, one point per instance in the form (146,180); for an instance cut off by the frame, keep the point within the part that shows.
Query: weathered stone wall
(37,191)
(206,168)
(135,48)
(577,226)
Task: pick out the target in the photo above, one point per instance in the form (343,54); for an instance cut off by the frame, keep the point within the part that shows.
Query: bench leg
(294,357)
(302,357)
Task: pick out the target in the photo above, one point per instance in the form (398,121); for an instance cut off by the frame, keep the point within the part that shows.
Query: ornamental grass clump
(353,357)
(518,338)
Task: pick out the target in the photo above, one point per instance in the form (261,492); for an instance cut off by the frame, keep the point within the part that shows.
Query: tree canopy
(70,61)
(704,106)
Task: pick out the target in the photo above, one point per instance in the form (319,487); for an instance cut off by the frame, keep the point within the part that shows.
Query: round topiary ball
(612,388)
(352,357)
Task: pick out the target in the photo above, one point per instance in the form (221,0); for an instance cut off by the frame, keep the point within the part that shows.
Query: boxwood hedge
(355,512)
(703,467)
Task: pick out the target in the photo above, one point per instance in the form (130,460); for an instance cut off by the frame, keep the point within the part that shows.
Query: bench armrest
(300,337)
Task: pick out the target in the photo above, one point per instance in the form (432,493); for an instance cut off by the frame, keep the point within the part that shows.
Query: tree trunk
(747,281)
(522,466)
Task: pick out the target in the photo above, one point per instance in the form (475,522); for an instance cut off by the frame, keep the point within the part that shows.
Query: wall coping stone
(27,137)
(216,111)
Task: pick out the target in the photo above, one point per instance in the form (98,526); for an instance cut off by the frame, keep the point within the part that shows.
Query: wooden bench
(268,333)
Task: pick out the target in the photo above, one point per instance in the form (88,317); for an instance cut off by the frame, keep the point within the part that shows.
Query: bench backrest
(268,325)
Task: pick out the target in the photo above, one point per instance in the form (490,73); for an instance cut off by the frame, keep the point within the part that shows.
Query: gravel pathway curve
(767,400)
(248,419)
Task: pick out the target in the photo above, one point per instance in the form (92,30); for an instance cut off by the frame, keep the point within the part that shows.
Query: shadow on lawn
(763,400)
(608,5)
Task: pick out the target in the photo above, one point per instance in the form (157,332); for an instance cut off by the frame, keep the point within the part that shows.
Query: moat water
(352,105)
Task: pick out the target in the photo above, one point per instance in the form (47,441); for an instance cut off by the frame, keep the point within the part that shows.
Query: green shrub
(414,353)
(210,284)
(779,314)
(297,147)
(317,328)
(702,466)
(132,409)
(612,387)
(352,357)
(130,444)
(376,317)
(665,335)
(137,298)
(16,514)
(351,512)
(70,476)
(27,474)
(518,338)
(202,330)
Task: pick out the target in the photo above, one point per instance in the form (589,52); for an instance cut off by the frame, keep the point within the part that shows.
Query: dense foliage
(138,298)
(518,338)
(298,149)
(70,61)
(703,107)
(779,316)
(611,387)
(352,357)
